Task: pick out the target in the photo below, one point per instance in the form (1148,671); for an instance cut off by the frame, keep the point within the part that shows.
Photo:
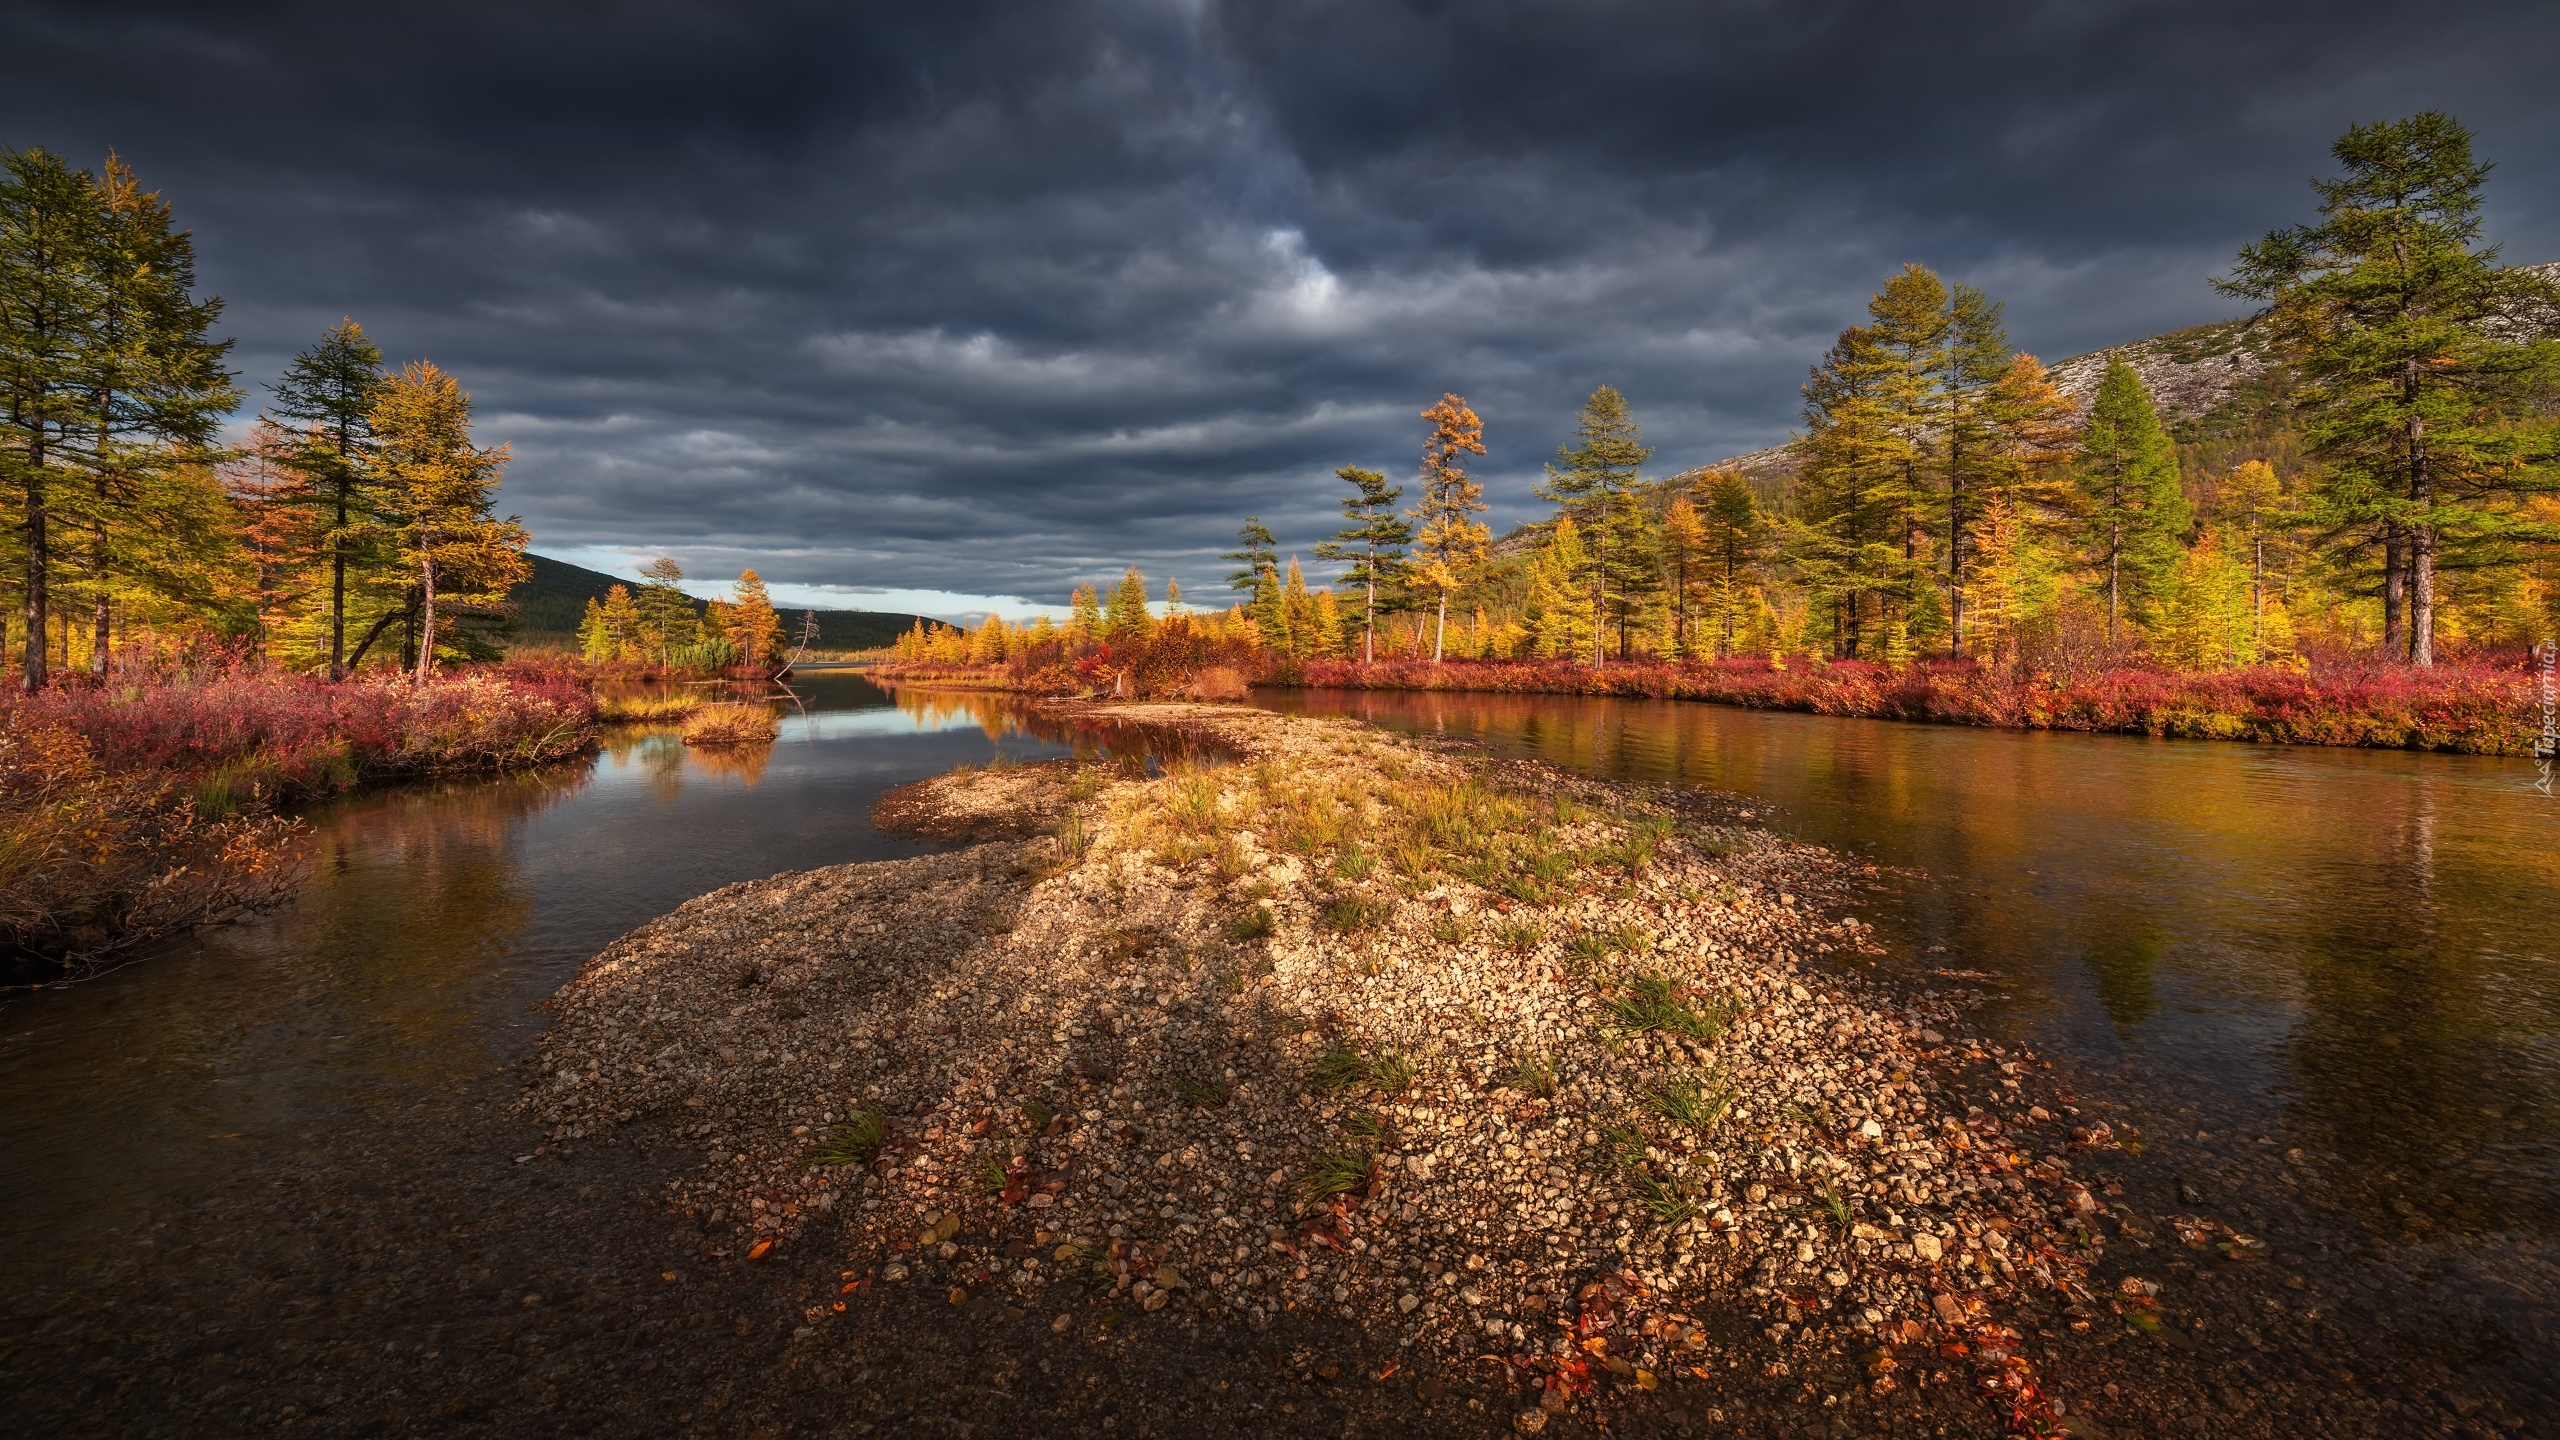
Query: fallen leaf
(1645,1380)
(758,1250)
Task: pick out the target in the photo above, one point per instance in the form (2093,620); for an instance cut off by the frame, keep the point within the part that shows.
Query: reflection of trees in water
(2392,914)
(660,754)
(999,715)
(414,894)
(2423,1056)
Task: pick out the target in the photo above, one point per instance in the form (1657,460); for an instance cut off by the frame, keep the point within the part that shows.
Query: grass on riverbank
(136,808)
(731,723)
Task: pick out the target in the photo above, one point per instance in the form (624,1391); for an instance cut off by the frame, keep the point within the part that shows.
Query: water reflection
(2353,952)
(435,916)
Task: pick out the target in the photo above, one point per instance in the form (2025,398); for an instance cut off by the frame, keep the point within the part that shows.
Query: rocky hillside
(2190,373)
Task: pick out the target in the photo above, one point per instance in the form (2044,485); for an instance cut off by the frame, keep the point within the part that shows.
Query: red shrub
(2473,708)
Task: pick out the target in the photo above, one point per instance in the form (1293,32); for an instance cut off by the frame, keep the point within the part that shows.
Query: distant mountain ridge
(549,606)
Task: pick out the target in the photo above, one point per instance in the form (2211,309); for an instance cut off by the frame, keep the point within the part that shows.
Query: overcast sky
(911,305)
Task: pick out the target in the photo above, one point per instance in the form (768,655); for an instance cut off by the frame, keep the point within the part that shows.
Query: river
(2322,984)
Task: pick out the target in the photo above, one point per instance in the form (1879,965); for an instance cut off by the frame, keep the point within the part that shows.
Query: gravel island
(1565,1099)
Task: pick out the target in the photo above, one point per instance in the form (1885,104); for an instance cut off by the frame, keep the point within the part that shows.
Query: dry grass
(731,723)
(648,709)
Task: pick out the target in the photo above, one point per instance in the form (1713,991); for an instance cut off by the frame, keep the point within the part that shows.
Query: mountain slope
(549,606)
(2191,373)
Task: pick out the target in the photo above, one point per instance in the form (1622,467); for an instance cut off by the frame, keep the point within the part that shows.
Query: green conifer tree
(332,387)
(1371,547)
(1597,482)
(2137,511)
(2419,382)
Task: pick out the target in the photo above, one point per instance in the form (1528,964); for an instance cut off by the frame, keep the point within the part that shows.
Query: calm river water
(436,917)
(2323,983)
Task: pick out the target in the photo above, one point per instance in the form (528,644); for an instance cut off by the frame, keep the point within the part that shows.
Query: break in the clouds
(943,304)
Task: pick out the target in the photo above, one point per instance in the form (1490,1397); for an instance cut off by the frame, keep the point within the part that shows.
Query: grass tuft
(1336,1173)
(1393,1073)
(1254,924)
(1532,1073)
(1355,912)
(1202,1094)
(1654,1002)
(1687,1102)
(1338,1068)
(854,1142)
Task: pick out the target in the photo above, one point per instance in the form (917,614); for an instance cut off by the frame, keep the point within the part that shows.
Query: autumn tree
(278,529)
(2418,386)
(331,387)
(443,488)
(1257,574)
(1452,542)
(1371,547)
(754,630)
(2136,511)
(610,631)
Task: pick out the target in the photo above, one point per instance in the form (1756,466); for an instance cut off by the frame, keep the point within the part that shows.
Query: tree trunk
(1440,637)
(338,586)
(427,608)
(33,675)
(2115,557)
(2258,590)
(2422,538)
(99,634)
(2395,580)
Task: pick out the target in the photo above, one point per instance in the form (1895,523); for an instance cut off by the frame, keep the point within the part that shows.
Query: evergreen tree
(1734,534)
(444,486)
(2418,386)
(2137,510)
(1597,482)
(1452,542)
(158,390)
(1125,620)
(1084,615)
(666,612)
(332,387)
(1258,576)
(1371,547)
(50,224)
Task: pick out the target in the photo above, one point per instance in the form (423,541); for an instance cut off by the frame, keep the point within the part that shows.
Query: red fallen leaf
(758,1250)
(1387,1372)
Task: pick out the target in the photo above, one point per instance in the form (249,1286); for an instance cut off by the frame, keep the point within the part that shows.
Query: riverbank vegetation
(135,807)
(2361,548)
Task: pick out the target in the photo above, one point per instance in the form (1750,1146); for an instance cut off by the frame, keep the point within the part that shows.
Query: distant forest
(551,603)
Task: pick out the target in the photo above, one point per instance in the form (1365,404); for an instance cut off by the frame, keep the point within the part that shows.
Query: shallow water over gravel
(2327,982)
(436,916)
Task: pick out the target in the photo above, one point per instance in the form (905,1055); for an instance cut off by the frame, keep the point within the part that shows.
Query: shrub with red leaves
(2476,709)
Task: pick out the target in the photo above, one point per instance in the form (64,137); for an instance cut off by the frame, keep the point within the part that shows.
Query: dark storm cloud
(989,298)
